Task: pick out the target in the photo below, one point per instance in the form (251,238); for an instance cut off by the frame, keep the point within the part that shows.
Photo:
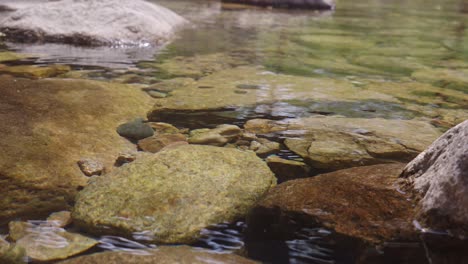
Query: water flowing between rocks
(370,76)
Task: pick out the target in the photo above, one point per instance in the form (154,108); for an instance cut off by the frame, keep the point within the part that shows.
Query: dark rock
(311,4)
(136,129)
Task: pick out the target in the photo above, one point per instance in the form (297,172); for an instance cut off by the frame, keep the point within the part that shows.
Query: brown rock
(161,255)
(158,142)
(360,202)
(124,158)
(91,167)
(287,169)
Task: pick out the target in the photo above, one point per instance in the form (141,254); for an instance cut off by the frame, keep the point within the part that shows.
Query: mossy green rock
(172,195)
(35,72)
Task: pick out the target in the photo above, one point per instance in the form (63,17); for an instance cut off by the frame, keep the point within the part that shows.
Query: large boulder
(47,126)
(172,195)
(332,143)
(312,4)
(104,22)
(360,202)
(439,178)
(161,255)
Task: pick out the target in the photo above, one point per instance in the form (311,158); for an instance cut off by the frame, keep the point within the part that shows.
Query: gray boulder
(103,22)
(439,176)
(170,196)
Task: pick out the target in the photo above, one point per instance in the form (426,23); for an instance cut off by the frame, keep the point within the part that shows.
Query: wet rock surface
(163,255)
(48,242)
(108,22)
(335,143)
(190,187)
(360,202)
(46,128)
(439,179)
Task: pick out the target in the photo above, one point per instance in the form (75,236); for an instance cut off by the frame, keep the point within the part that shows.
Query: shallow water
(370,45)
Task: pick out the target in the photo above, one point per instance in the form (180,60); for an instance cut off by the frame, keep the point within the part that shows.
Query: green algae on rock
(49,125)
(172,195)
(161,255)
(335,142)
(10,56)
(35,72)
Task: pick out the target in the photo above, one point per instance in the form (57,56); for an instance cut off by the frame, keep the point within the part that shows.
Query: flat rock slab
(172,195)
(47,127)
(439,178)
(360,202)
(336,143)
(161,255)
(106,22)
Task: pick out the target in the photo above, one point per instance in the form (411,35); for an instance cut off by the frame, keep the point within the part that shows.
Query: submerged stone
(47,126)
(157,142)
(136,129)
(335,143)
(219,136)
(9,56)
(172,195)
(47,243)
(91,167)
(108,22)
(35,72)
(161,255)
(439,179)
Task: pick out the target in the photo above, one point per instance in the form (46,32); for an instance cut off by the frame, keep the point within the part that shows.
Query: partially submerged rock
(172,195)
(361,202)
(161,255)
(439,178)
(264,147)
(335,143)
(60,219)
(47,126)
(107,22)
(47,243)
(311,4)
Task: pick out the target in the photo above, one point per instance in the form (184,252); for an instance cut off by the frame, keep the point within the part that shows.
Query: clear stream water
(362,41)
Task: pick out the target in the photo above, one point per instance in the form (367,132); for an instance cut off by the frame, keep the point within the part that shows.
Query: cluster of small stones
(153,137)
